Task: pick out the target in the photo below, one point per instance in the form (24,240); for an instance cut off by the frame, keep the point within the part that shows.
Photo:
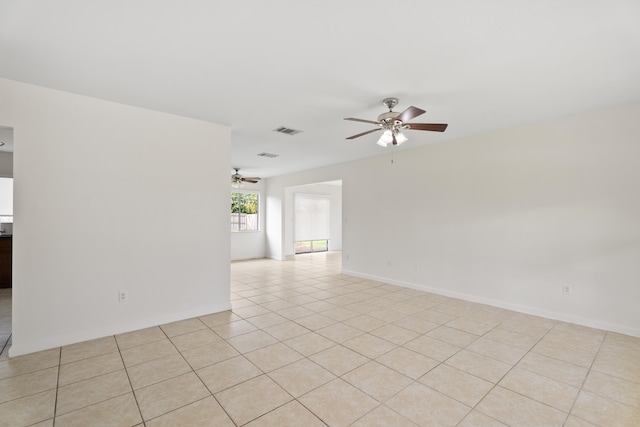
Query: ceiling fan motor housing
(388,122)
(388,117)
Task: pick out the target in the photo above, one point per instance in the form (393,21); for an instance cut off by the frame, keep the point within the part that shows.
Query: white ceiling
(258,65)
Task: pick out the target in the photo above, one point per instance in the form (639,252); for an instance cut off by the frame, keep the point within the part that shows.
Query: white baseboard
(535,311)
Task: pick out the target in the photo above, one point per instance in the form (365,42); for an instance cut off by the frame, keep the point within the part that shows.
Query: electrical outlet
(566,289)
(122,296)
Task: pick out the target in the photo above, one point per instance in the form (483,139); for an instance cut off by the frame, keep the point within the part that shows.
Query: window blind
(312,213)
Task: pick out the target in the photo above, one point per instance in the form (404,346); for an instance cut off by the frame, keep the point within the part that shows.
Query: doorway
(325,237)
(6,238)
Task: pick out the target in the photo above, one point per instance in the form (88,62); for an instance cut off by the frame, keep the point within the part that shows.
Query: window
(244,211)
(308,246)
(312,214)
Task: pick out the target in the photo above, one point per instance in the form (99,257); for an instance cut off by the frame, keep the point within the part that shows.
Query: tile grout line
(188,364)
(472,408)
(501,378)
(296,399)
(560,360)
(4,346)
(202,381)
(496,384)
(575,400)
(55,403)
(135,398)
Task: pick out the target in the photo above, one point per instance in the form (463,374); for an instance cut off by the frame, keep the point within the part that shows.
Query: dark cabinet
(6,243)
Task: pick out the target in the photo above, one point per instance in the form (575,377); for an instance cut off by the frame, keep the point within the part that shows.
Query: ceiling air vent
(287,131)
(271,155)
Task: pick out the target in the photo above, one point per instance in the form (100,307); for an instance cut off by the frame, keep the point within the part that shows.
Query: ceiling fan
(392,124)
(237,179)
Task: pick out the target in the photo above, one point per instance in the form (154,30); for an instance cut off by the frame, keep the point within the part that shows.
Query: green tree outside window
(244,212)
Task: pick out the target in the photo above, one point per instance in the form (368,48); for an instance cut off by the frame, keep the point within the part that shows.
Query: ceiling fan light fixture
(387,136)
(381,142)
(400,138)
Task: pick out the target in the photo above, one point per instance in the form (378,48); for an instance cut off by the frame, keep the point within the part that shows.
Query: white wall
(251,244)
(505,218)
(110,197)
(334,192)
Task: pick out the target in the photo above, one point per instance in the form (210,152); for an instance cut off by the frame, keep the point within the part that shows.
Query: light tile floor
(307,346)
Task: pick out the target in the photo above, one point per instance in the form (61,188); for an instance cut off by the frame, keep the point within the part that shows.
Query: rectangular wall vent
(271,155)
(287,131)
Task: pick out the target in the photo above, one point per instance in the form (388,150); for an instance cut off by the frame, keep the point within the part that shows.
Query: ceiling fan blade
(362,120)
(251,180)
(409,114)
(436,127)
(362,134)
